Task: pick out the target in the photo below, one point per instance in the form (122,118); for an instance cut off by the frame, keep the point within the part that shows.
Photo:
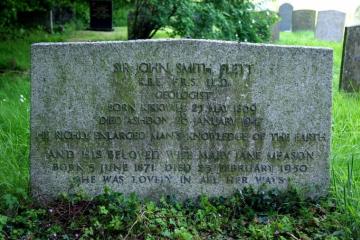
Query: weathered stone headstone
(63,15)
(275,32)
(357,16)
(179,117)
(101,15)
(285,13)
(350,66)
(35,18)
(303,20)
(330,25)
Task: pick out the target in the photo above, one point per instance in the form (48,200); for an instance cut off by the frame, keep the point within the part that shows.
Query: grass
(14,116)
(15,53)
(119,33)
(14,109)
(14,131)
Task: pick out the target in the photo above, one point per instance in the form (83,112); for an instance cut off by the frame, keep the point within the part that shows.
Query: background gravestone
(303,20)
(330,25)
(179,117)
(35,19)
(285,13)
(350,66)
(63,15)
(53,19)
(357,16)
(275,32)
(274,29)
(101,15)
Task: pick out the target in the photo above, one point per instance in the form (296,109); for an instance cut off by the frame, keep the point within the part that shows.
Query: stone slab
(356,20)
(285,13)
(330,25)
(303,20)
(275,32)
(101,15)
(350,66)
(179,117)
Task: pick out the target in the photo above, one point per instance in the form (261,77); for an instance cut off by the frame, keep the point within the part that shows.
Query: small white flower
(22,98)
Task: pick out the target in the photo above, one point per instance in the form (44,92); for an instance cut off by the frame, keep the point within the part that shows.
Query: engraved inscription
(182,122)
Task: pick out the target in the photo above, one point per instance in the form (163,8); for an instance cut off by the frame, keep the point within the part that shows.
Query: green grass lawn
(119,33)
(15,104)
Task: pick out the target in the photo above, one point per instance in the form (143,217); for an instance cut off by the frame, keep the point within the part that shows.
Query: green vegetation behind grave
(14,132)
(15,53)
(14,110)
(14,144)
(119,34)
(211,19)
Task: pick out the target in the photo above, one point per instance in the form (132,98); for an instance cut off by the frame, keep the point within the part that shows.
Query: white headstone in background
(330,25)
(357,16)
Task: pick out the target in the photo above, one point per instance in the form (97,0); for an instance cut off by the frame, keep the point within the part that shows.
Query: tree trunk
(140,24)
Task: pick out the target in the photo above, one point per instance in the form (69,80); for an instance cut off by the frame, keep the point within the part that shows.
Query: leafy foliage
(248,214)
(9,10)
(210,19)
(121,9)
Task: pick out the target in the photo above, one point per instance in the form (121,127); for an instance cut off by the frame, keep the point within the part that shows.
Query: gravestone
(275,32)
(63,15)
(101,15)
(357,16)
(350,66)
(330,25)
(285,13)
(303,20)
(179,117)
(36,18)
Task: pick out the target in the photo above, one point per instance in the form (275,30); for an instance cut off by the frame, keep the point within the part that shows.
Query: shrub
(210,19)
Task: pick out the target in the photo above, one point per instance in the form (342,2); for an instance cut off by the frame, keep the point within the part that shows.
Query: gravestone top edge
(50,44)
(353,26)
(312,10)
(332,10)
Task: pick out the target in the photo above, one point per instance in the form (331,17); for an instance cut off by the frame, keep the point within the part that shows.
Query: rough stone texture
(285,13)
(303,20)
(350,66)
(330,25)
(179,117)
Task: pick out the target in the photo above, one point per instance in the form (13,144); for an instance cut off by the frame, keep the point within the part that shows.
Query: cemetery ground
(245,215)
